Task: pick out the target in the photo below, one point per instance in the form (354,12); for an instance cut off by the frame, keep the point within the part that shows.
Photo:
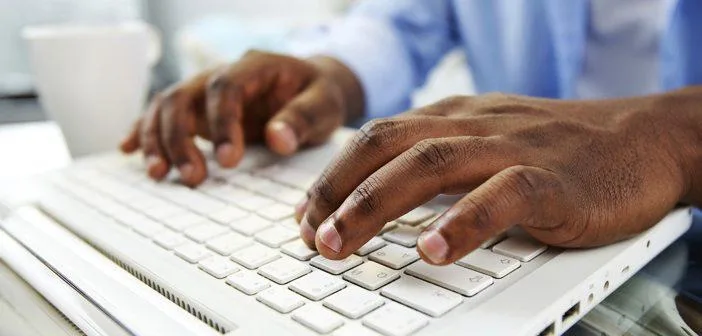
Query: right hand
(284,101)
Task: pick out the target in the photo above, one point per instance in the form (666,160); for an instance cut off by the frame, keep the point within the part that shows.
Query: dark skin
(571,173)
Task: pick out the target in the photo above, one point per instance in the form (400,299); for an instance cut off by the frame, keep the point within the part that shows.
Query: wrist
(681,113)
(350,87)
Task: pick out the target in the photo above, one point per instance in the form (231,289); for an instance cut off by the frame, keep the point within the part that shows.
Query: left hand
(571,173)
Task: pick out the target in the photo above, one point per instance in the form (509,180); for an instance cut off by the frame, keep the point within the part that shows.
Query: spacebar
(204,294)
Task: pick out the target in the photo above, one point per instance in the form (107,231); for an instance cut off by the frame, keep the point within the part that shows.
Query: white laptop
(109,247)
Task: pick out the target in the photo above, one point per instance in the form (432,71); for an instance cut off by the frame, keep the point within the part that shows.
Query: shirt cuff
(371,50)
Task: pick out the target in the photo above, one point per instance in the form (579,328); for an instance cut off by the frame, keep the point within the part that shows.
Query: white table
(29,149)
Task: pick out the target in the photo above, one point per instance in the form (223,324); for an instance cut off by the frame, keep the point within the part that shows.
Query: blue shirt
(529,47)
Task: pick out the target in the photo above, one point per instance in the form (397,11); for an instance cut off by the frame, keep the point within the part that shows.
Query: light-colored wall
(172,15)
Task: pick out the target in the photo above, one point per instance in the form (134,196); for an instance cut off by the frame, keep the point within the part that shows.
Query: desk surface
(664,298)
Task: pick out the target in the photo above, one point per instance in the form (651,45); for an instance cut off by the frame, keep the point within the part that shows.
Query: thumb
(308,119)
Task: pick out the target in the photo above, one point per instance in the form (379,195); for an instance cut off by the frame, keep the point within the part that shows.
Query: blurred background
(195,34)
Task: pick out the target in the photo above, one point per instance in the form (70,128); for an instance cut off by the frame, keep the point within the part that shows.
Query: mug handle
(155,49)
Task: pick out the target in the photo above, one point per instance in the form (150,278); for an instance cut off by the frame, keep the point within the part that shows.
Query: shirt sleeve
(391,46)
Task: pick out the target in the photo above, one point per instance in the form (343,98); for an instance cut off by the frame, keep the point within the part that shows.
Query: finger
(178,127)
(229,92)
(307,119)
(157,162)
(517,195)
(377,143)
(131,142)
(429,168)
(225,101)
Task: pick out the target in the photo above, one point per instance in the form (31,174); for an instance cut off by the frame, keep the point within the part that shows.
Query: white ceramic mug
(92,80)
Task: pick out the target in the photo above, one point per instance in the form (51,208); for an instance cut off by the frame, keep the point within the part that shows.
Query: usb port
(549,331)
(571,313)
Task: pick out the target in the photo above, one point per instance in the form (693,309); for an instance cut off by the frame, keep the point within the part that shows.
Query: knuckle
(253,53)
(445,106)
(482,214)
(322,192)
(217,82)
(377,132)
(433,156)
(496,96)
(365,196)
(535,183)
(452,102)
(306,115)
(173,97)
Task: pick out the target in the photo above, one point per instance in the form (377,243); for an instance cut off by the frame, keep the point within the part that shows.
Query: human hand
(285,101)
(571,173)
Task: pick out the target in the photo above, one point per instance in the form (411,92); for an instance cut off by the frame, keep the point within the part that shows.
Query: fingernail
(286,134)
(306,231)
(329,236)
(186,171)
(434,246)
(301,206)
(225,152)
(153,166)
(152,161)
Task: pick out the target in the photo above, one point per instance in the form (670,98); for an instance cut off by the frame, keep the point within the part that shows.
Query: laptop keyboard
(239,227)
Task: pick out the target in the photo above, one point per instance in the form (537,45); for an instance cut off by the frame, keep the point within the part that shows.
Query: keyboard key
(521,248)
(490,263)
(417,216)
(254,203)
(336,266)
(394,256)
(255,256)
(247,181)
(288,196)
(403,235)
(280,299)
(372,245)
(228,214)
(248,282)
(317,285)
(164,211)
(276,236)
(250,225)
(182,222)
(228,243)
(293,177)
(371,275)
(494,240)
(169,239)
(353,302)
(276,212)
(218,267)
(354,330)
(229,194)
(388,226)
(149,228)
(201,204)
(427,298)
(290,223)
(192,252)
(452,277)
(130,218)
(318,318)
(298,250)
(268,188)
(284,270)
(204,232)
(395,320)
